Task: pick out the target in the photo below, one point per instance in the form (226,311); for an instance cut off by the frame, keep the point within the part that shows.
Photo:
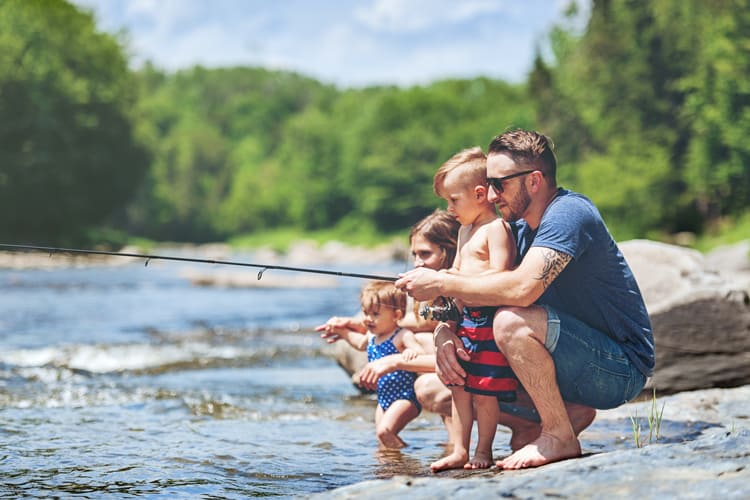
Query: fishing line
(263,267)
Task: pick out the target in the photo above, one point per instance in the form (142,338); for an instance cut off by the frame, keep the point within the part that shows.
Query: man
(572,320)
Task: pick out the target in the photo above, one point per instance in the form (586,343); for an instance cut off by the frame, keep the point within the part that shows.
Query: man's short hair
(527,149)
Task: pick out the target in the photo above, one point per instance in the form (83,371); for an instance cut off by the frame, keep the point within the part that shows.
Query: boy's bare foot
(453,461)
(545,449)
(480,460)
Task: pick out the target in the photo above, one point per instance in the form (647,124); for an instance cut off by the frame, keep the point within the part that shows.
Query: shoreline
(711,462)
(301,252)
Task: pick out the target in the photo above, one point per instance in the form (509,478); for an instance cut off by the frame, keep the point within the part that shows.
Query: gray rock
(348,358)
(701,318)
(731,261)
(712,462)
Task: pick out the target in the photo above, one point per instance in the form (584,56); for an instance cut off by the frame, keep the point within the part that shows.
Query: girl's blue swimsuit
(396,385)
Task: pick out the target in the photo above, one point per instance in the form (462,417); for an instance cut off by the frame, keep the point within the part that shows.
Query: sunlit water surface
(131,381)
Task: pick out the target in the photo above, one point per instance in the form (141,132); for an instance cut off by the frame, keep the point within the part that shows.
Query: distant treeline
(648,105)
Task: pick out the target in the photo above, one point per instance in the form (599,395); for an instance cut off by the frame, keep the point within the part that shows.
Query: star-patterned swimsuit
(396,385)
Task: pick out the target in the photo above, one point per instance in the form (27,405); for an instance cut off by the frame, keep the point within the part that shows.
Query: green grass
(654,419)
(282,239)
(727,232)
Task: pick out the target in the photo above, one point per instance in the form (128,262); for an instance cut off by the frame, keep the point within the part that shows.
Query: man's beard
(518,205)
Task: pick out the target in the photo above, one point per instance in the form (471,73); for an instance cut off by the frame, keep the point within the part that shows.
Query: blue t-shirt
(597,286)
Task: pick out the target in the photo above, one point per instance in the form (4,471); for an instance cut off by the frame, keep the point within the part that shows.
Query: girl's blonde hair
(377,294)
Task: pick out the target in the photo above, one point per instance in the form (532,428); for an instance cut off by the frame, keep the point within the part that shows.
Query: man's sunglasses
(497,182)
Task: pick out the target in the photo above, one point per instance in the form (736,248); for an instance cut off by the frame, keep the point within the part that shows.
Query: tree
(718,111)
(69,156)
(650,102)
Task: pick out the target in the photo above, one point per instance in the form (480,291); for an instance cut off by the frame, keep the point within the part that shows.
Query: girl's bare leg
(391,421)
(462,419)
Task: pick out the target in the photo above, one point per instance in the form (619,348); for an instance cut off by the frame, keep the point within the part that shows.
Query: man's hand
(421,283)
(448,348)
(371,373)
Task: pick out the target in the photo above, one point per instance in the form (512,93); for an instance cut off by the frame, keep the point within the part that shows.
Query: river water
(130,381)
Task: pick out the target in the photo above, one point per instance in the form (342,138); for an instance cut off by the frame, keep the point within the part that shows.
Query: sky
(349,43)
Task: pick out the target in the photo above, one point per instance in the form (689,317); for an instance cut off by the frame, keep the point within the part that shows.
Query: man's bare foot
(525,431)
(480,460)
(455,460)
(544,450)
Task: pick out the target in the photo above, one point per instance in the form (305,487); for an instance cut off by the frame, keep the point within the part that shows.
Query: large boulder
(700,316)
(349,359)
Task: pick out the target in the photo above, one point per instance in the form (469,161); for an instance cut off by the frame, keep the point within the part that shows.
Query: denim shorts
(591,368)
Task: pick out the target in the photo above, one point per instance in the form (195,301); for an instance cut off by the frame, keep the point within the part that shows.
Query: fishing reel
(440,309)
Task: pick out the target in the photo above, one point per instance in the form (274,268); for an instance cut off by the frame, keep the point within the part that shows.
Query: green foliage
(648,104)
(69,156)
(218,137)
(246,149)
(718,109)
(725,231)
(281,239)
(626,186)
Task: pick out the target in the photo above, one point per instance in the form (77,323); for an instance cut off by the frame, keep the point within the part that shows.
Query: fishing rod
(149,257)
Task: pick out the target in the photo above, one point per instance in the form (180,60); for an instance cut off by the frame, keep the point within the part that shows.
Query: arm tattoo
(554,263)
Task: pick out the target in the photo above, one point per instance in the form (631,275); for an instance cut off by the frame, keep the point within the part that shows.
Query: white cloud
(418,15)
(353,42)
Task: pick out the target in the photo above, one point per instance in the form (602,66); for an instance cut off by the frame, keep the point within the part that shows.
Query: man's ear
(536,183)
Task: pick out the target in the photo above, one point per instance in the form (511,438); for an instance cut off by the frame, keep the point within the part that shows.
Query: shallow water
(130,381)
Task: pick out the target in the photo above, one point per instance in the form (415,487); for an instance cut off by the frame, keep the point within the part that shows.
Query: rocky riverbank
(708,457)
(700,309)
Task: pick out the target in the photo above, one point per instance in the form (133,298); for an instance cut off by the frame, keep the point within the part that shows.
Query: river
(131,381)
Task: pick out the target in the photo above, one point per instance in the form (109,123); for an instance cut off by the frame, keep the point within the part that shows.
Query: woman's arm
(407,340)
(371,373)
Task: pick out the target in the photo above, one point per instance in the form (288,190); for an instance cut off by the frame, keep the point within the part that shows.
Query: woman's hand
(371,373)
(409,354)
(448,348)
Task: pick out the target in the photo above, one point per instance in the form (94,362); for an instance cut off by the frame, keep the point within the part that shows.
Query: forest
(648,105)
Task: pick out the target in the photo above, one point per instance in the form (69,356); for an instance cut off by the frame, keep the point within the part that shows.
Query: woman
(432,242)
